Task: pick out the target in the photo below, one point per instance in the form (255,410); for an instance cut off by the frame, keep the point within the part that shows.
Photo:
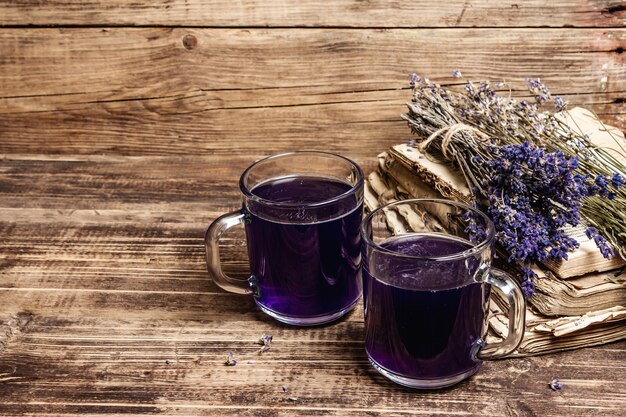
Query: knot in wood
(190,42)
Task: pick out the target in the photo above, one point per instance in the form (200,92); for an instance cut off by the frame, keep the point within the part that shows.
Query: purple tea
(423,319)
(302,267)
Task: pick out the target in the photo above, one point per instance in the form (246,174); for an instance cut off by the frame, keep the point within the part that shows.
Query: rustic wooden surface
(123,129)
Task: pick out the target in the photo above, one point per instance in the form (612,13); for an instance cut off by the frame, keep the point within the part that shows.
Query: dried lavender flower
(559,103)
(230,361)
(529,171)
(457,74)
(266,342)
(539,90)
(601,242)
(555,384)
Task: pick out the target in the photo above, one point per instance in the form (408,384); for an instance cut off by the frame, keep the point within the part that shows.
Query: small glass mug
(302,212)
(427,281)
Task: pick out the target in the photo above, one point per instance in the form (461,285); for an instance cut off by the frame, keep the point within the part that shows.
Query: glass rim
(353,189)
(476,248)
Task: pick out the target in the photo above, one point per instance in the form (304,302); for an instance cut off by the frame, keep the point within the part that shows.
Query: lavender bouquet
(529,171)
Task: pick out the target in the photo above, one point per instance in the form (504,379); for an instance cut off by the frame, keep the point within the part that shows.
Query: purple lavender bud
(457,74)
(414,79)
(559,103)
(555,384)
(528,288)
(230,361)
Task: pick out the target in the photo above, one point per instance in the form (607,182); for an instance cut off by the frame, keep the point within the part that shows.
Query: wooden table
(123,129)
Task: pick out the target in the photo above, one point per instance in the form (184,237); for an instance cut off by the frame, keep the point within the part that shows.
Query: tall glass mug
(427,281)
(302,212)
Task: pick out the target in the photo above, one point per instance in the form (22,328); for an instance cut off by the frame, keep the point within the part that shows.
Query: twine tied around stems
(450,131)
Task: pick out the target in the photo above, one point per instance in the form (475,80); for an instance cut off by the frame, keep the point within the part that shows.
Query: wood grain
(268,89)
(123,129)
(317,13)
(102,279)
(77,360)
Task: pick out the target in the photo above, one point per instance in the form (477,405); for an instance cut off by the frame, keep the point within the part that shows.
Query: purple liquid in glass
(303,267)
(425,319)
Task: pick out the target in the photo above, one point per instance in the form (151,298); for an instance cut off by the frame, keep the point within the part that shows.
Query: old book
(554,297)
(544,335)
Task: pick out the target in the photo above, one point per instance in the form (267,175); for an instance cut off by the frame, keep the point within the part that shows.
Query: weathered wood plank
(107,63)
(117,224)
(315,13)
(111,258)
(119,366)
(111,297)
(198,91)
(144,189)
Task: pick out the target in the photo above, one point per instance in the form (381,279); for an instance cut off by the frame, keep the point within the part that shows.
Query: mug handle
(517,315)
(211,243)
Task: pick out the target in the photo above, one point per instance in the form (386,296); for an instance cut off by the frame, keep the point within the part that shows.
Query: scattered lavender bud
(555,384)
(168,362)
(266,342)
(285,389)
(457,74)
(230,361)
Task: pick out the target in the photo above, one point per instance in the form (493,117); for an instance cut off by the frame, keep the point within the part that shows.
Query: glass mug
(427,281)
(302,212)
